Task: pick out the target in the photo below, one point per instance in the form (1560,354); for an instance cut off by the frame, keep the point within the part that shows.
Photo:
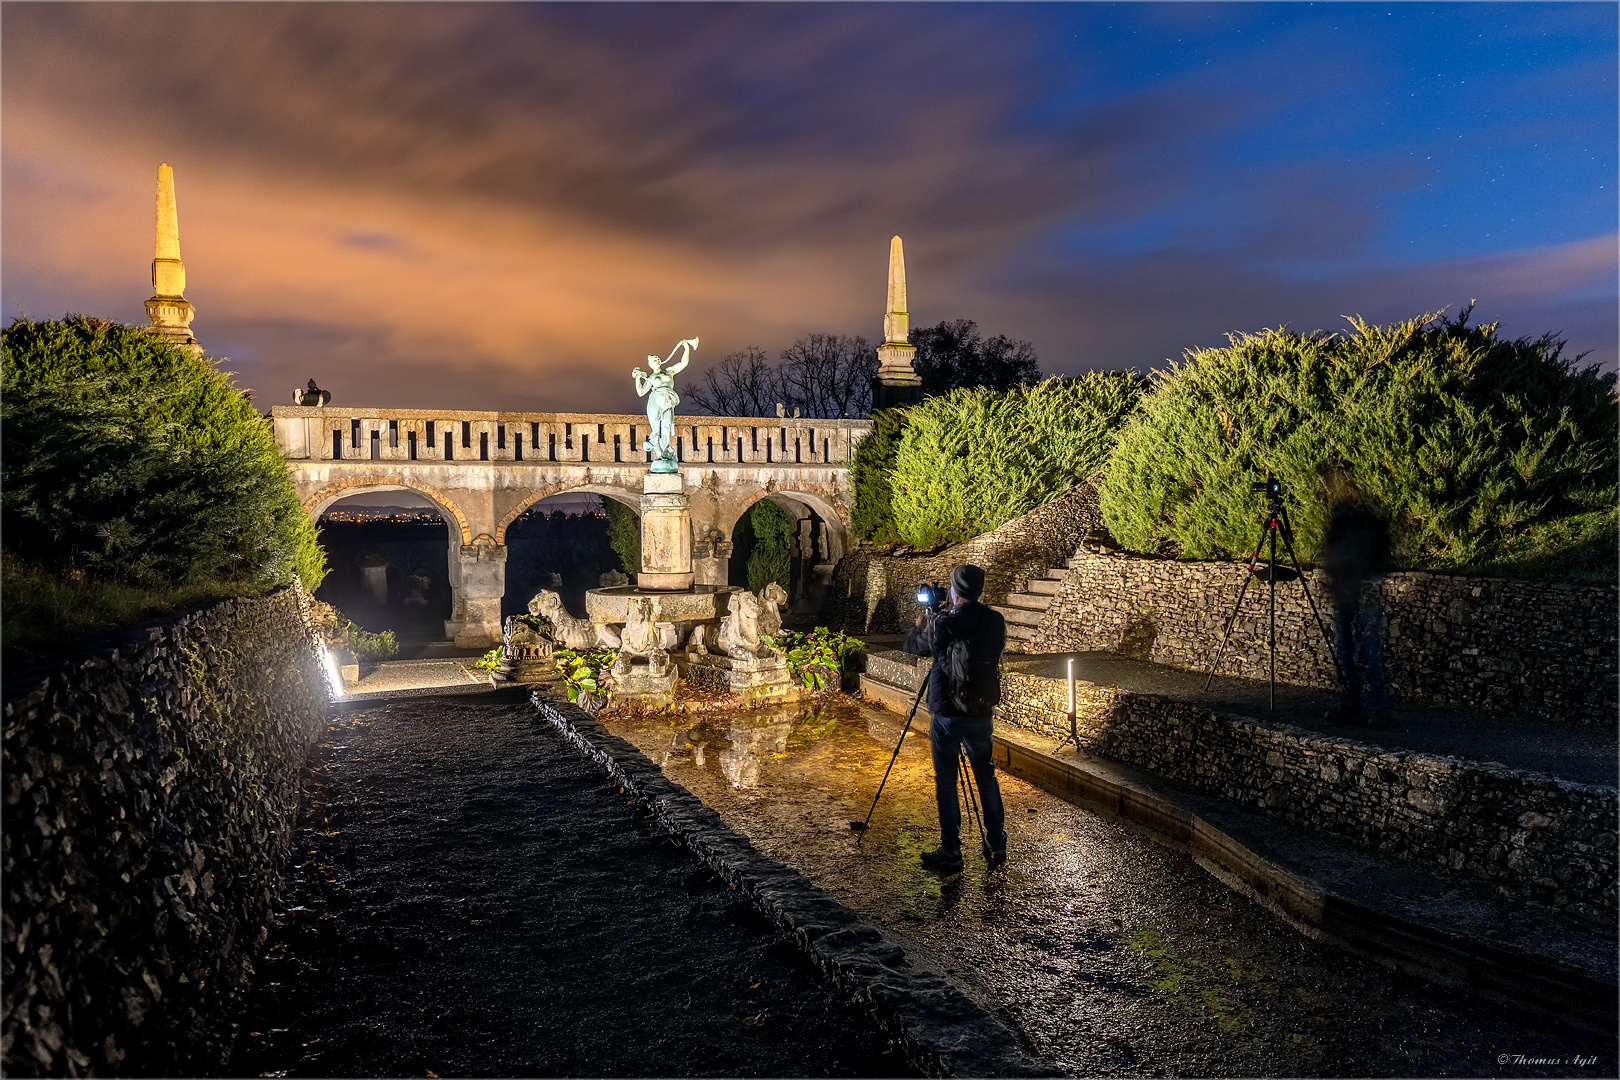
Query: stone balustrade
(317,433)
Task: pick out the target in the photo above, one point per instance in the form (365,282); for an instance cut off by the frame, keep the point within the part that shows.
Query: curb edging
(938,1028)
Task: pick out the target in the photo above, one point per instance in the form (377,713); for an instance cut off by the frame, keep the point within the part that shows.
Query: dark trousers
(947,736)
(1357,640)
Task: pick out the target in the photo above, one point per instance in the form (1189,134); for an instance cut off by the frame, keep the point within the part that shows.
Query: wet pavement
(474,898)
(1108,953)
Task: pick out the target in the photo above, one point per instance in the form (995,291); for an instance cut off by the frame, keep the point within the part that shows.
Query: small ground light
(334,679)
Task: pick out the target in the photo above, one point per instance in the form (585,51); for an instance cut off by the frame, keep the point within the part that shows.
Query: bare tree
(820,375)
(743,384)
(829,375)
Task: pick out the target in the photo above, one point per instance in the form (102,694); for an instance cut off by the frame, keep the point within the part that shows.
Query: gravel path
(476,899)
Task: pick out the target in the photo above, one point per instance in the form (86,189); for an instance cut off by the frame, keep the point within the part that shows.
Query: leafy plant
(372,647)
(585,671)
(1473,447)
(535,622)
(490,660)
(624,535)
(771,559)
(972,459)
(816,659)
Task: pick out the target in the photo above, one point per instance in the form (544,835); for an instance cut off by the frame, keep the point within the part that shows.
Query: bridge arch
(831,512)
(618,494)
(317,503)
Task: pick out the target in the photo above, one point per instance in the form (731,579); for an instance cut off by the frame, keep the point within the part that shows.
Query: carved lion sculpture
(569,632)
(771,601)
(640,639)
(743,625)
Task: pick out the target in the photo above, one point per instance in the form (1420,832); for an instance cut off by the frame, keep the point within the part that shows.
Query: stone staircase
(1024,607)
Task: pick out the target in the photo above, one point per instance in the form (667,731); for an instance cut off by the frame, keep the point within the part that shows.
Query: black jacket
(985,632)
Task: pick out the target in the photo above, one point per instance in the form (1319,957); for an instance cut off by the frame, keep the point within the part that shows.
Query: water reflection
(743,743)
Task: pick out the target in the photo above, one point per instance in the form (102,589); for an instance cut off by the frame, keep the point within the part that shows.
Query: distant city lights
(393,515)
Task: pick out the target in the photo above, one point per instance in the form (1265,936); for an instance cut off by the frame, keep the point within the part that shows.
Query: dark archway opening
(805,563)
(561,544)
(389,557)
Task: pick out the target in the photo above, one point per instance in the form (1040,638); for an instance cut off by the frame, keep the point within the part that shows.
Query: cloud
(511,205)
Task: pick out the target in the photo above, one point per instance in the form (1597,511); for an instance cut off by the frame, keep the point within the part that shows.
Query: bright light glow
(334,678)
(1071,686)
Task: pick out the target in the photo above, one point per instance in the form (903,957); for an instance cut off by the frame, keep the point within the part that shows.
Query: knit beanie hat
(967,581)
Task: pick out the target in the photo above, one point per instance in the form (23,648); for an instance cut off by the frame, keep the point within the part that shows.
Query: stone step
(1029,601)
(1019,616)
(1045,586)
(1019,632)
(1057,573)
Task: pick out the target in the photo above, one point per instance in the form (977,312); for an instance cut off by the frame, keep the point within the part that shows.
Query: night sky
(509,206)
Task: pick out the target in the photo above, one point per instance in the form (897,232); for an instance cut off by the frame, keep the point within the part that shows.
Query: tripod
(859,827)
(964,779)
(1276,525)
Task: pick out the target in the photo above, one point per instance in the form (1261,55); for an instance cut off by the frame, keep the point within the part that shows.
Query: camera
(1271,485)
(931,596)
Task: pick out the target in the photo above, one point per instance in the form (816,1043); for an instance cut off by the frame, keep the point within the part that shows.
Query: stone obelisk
(170,312)
(896,382)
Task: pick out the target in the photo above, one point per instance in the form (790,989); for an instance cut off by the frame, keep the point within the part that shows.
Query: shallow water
(1108,953)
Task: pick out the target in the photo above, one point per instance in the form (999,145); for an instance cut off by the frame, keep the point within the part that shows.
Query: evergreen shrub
(131,462)
(1483,453)
(970,460)
(872,475)
(771,559)
(624,535)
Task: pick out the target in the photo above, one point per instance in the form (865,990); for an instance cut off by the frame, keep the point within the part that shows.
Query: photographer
(964,685)
(1355,552)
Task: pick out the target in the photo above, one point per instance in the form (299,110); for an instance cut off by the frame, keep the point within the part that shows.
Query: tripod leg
(1333,654)
(1232,621)
(861,832)
(1271,577)
(964,769)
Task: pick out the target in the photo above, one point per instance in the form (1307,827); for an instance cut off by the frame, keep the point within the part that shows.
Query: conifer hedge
(131,462)
(772,558)
(962,463)
(1483,453)
(624,535)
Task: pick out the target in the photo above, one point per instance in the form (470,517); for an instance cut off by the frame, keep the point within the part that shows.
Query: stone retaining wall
(1534,649)
(876,593)
(1532,837)
(150,797)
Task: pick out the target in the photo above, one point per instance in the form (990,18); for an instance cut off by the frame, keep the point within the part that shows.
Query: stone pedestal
(762,679)
(666,534)
(897,382)
(645,688)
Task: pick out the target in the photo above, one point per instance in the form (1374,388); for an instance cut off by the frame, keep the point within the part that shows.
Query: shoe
(942,862)
(992,856)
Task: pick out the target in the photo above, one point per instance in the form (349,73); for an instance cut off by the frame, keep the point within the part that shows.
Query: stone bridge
(484,469)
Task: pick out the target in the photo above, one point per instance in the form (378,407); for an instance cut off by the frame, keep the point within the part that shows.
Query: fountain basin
(701,603)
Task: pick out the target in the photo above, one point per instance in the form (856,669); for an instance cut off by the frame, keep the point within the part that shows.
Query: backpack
(970,691)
